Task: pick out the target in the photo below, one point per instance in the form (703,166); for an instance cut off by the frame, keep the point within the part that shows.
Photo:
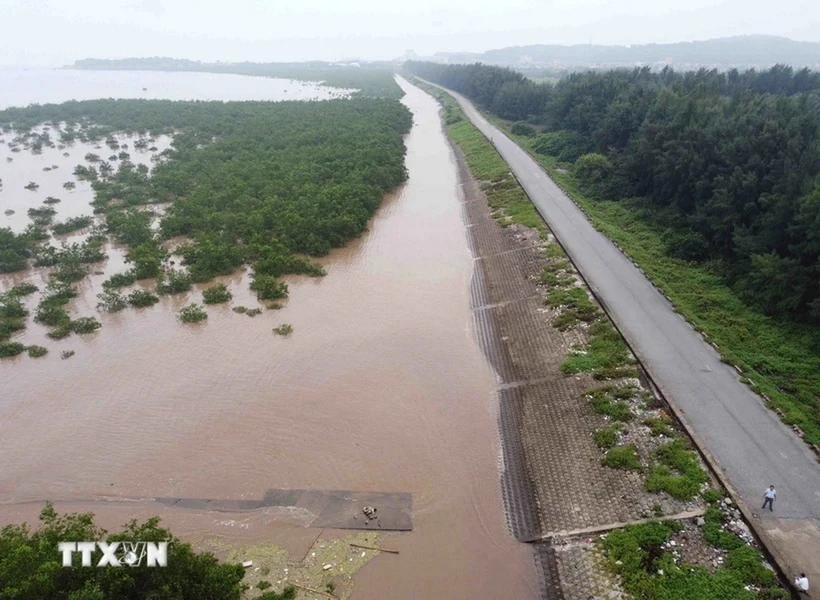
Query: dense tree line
(247,182)
(730,160)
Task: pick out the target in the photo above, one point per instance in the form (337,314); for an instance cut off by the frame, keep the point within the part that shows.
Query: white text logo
(117,554)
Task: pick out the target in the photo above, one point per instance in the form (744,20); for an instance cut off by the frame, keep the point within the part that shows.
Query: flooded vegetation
(380,387)
(240,184)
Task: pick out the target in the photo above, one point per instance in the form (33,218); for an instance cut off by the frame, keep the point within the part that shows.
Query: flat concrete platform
(332,509)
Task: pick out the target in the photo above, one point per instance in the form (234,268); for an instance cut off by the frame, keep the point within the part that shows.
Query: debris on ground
(329,564)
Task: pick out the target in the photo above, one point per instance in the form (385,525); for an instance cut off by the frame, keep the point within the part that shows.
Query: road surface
(753,447)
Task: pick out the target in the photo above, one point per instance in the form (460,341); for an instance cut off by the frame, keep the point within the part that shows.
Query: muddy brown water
(381,387)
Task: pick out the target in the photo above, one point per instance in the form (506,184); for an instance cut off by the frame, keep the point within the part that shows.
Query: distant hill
(761,51)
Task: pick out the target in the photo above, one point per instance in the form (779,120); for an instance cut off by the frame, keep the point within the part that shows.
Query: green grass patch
(679,472)
(574,298)
(565,320)
(603,402)
(659,426)
(606,437)
(649,571)
(553,250)
(606,355)
(713,531)
(711,495)
(622,457)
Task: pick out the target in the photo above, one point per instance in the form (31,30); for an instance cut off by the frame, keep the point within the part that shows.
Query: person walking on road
(768,497)
(802,583)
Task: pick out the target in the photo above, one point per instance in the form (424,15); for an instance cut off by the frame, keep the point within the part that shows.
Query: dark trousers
(768,501)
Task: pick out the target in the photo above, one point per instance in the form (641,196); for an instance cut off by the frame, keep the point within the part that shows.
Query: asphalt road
(754,448)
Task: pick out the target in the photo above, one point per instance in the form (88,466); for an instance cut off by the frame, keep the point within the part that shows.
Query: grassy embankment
(674,468)
(647,566)
(779,359)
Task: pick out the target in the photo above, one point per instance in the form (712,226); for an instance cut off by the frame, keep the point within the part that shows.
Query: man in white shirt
(802,583)
(768,497)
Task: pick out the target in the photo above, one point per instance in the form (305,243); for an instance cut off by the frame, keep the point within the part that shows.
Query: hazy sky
(56,32)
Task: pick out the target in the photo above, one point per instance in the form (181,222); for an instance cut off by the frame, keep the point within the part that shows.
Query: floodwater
(381,387)
(22,87)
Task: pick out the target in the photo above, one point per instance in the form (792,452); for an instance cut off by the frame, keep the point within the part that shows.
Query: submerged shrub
(85,325)
(141,298)
(37,351)
(9,326)
(8,349)
(63,330)
(216,294)
(44,212)
(192,313)
(23,289)
(268,287)
(174,282)
(146,256)
(118,280)
(111,301)
(11,307)
(285,329)
(51,315)
(70,272)
(72,224)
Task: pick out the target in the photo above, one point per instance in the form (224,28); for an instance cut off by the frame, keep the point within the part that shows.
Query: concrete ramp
(332,509)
